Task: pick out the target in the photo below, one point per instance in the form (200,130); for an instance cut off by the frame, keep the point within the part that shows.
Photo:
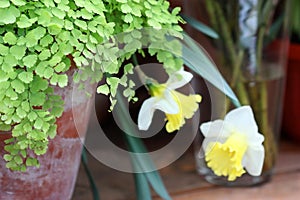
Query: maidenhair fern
(37,40)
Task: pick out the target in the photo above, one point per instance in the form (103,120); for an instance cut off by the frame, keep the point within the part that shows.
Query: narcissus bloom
(232,144)
(176,106)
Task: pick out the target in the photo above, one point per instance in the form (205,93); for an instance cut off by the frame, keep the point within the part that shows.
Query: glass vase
(251,54)
(55,178)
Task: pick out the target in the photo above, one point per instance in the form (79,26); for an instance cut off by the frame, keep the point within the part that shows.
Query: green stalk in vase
(220,24)
(237,52)
(270,143)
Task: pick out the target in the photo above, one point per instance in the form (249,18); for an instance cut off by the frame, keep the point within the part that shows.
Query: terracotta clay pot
(291,118)
(56,176)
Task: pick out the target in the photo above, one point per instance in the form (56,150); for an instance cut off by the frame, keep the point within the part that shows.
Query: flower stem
(270,144)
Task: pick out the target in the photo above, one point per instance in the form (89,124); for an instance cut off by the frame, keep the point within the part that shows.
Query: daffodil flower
(176,106)
(232,144)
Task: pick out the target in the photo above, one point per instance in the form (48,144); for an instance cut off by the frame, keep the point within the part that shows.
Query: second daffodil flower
(232,144)
(176,106)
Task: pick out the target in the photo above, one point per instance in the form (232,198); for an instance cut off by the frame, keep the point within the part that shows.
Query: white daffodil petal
(256,138)
(146,113)
(167,104)
(179,79)
(243,120)
(215,129)
(254,159)
(168,107)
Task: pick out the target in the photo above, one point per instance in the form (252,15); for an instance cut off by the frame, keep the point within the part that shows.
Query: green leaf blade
(10,38)
(30,60)
(26,77)
(18,86)
(198,61)
(200,26)
(18,51)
